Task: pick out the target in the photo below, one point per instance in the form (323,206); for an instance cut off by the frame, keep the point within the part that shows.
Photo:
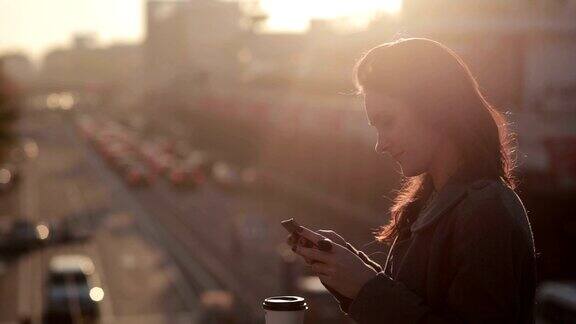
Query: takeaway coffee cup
(284,310)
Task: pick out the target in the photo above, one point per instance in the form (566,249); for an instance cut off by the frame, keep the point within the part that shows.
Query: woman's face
(401,134)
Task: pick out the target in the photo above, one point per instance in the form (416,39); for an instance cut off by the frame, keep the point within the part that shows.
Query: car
(199,160)
(192,171)
(23,236)
(255,180)
(183,176)
(70,229)
(161,163)
(138,176)
(72,290)
(115,150)
(125,162)
(8,178)
(226,176)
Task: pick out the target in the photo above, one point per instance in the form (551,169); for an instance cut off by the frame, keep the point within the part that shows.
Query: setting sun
(295,14)
(113,20)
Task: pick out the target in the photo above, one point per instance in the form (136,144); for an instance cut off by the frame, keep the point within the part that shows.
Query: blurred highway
(162,255)
(236,236)
(141,282)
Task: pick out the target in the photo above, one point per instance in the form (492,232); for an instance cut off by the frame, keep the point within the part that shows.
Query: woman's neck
(446,162)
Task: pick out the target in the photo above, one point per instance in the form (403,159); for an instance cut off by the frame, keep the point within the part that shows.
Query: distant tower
(433,9)
(254,15)
(84,40)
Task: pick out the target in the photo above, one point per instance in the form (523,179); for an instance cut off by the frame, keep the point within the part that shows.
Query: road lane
(141,282)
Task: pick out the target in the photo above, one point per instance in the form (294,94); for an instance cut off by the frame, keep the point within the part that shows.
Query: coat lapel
(450,195)
(445,200)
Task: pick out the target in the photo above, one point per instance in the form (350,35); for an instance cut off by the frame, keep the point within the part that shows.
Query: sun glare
(392,6)
(295,14)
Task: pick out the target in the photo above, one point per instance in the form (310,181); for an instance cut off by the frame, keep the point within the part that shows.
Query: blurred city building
(191,43)
(18,68)
(85,65)
(272,60)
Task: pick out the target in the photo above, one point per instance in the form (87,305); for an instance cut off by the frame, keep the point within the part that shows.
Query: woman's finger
(335,237)
(291,240)
(305,242)
(307,260)
(326,279)
(311,235)
(313,254)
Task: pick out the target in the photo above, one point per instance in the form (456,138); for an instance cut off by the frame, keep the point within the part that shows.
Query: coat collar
(451,194)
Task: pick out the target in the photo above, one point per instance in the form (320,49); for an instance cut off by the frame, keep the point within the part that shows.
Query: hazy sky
(37,25)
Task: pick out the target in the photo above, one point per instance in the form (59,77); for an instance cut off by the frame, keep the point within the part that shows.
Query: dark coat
(469,258)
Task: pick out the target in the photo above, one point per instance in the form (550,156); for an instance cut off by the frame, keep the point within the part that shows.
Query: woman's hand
(339,268)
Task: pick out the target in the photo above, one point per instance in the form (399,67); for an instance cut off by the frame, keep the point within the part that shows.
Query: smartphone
(294,228)
(291,226)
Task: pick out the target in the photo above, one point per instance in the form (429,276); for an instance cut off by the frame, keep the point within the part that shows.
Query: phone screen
(291,225)
(294,228)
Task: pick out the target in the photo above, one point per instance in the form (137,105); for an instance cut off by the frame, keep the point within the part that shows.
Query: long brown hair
(439,85)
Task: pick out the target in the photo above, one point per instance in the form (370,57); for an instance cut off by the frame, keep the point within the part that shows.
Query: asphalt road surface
(142,283)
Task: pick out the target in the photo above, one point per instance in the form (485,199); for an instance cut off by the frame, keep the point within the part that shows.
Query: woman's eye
(385,122)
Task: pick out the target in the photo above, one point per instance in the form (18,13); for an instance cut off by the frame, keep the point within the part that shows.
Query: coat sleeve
(484,289)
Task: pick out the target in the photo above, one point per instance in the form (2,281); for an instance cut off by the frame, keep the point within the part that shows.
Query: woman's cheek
(411,164)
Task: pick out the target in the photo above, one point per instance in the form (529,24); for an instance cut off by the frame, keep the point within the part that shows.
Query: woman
(461,244)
